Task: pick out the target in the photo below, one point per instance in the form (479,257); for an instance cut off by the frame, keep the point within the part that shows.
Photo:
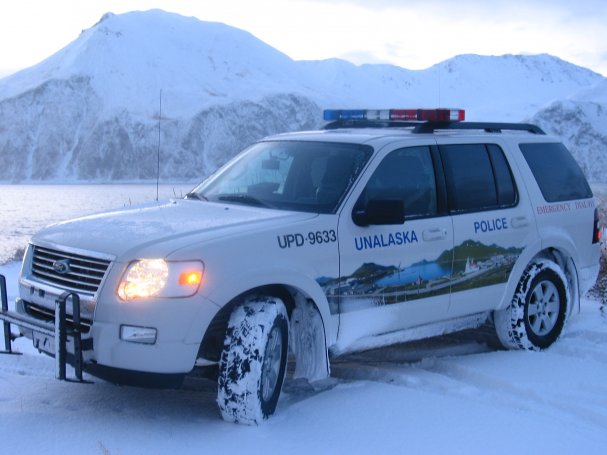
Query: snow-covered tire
(537,314)
(254,359)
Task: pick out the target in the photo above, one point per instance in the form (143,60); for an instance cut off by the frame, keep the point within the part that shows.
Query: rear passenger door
(492,221)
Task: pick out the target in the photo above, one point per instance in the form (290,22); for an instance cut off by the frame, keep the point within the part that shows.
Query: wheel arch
(563,254)
(557,248)
(567,262)
(311,352)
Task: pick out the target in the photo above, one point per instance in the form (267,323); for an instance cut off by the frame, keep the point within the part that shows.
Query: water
(24,209)
(427,271)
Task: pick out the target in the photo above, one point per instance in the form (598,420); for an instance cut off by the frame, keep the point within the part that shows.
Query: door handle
(519,222)
(434,234)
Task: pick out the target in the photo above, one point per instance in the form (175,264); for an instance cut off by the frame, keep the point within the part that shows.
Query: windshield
(300,176)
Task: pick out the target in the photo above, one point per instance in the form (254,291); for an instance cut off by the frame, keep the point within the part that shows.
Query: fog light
(146,335)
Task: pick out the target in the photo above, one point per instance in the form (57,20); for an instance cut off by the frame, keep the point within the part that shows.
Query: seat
(336,178)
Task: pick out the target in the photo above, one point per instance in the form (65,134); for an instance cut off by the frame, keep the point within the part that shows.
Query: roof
(361,132)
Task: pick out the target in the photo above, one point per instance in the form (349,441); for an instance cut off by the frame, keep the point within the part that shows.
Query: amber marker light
(190,278)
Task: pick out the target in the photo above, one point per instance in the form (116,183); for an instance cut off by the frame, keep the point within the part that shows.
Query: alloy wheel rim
(543,309)
(271,364)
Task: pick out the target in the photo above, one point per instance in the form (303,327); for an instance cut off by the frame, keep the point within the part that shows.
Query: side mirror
(380,211)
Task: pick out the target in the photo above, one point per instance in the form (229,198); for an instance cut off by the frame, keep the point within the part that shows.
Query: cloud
(362,57)
(585,8)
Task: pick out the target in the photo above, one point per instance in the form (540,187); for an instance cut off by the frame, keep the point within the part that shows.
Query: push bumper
(101,352)
(52,338)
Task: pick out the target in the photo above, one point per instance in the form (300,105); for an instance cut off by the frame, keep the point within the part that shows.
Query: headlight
(161,279)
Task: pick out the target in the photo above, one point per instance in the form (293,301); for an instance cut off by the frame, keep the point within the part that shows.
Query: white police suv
(385,226)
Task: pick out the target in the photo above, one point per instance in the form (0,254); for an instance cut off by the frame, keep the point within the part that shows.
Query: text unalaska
(379,241)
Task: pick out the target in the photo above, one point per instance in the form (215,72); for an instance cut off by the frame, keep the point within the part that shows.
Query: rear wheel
(253,362)
(536,316)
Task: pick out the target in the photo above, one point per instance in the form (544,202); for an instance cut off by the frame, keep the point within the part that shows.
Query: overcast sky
(411,34)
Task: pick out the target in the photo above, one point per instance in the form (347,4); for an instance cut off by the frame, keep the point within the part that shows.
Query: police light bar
(397,115)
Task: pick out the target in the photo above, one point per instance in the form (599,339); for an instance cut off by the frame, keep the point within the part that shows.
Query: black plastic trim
(430,127)
(441,185)
(135,378)
(489,127)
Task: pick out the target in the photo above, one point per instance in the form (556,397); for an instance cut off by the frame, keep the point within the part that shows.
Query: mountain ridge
(90,112)
(581,122)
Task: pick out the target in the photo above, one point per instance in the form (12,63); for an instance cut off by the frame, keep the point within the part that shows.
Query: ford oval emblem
(62,266)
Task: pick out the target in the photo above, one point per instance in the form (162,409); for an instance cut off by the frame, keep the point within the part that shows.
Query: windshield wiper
(196,195)
(245,199)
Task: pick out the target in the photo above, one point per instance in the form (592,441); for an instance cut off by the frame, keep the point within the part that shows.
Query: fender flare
(241,283)
(561,243)
(523,260)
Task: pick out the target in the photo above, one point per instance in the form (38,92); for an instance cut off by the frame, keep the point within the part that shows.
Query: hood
(162,226)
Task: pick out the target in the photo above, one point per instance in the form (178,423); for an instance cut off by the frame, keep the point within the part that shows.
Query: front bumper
(28,326)
(160,365)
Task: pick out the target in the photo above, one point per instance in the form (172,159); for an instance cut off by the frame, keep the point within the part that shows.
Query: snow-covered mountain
(90,112)
(581,122)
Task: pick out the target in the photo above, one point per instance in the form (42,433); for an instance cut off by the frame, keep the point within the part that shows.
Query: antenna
(439,65)
(158,165)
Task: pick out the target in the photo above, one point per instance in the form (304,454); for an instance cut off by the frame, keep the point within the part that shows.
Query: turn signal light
(190,278)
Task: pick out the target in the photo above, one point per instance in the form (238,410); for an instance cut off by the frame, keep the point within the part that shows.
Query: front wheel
(536,316)
(253,362)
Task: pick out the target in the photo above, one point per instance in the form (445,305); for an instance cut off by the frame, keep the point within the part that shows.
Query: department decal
(467,266)
(379,241)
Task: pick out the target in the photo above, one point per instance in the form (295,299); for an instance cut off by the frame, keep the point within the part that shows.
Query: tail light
(596,234)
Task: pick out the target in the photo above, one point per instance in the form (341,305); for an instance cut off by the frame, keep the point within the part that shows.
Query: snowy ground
(446,395)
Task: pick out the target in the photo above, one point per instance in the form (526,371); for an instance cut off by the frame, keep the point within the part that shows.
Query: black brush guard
(59,331)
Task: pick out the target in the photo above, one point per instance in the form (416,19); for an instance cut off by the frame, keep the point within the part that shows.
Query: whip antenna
(158,165)
(439,65)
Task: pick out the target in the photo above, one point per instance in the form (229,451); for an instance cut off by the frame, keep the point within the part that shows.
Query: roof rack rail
(429,127)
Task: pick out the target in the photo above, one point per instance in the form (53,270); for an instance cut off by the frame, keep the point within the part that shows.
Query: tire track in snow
(585,335)
(568,403)
(445,377)
(581,352)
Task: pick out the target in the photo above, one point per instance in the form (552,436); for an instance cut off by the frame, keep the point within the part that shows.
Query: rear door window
(557,173)
(478,177)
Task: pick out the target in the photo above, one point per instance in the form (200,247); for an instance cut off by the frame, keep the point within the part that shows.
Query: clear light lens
(145,335)
(144,279)
(374,114)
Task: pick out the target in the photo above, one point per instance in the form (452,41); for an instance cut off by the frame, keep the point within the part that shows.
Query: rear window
(556,172)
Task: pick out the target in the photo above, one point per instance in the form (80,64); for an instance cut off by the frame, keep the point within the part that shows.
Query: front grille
(85,273)
(48,315)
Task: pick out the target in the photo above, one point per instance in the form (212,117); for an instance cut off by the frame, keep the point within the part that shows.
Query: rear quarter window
(557,173)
